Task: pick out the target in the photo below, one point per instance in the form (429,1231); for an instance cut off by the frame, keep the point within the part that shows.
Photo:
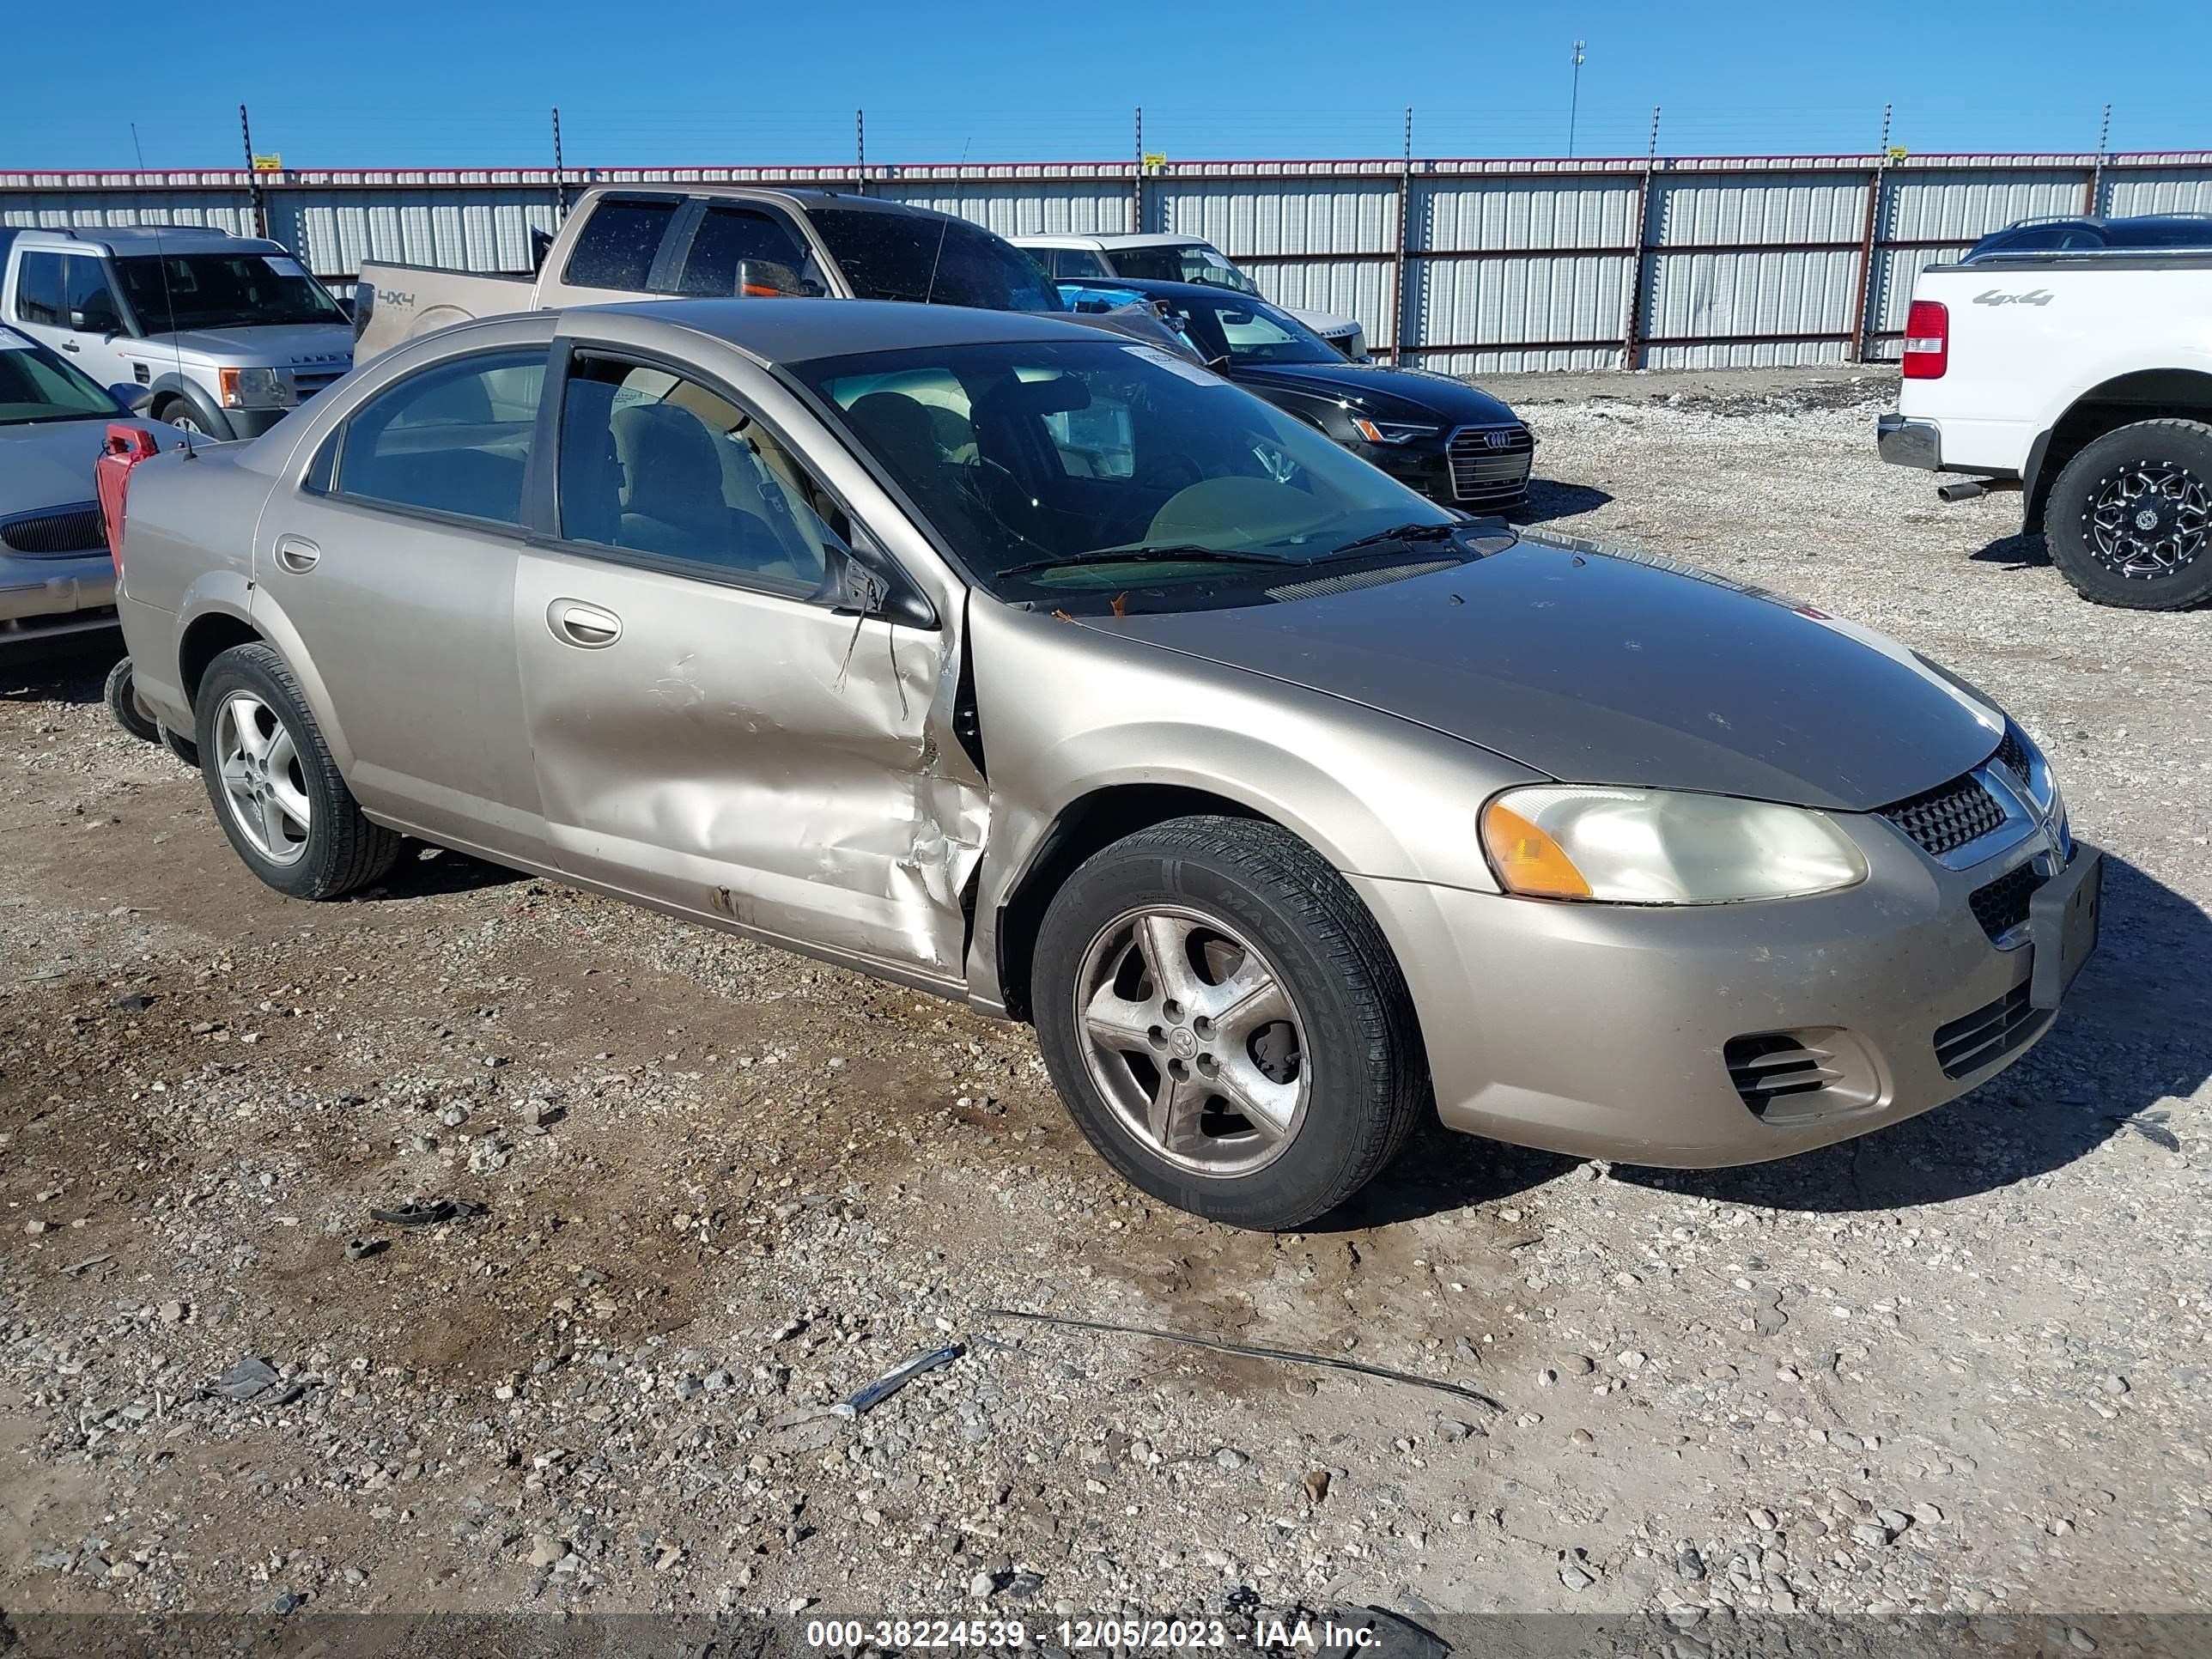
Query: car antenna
(930,293)
(168,299)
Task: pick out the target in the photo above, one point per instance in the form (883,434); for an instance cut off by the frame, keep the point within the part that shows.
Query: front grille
(65,530)
(1990,1033)
(1487,473)
(309,381)
(2013,753)
(2002,905)
(1944,819)
(1774,1065)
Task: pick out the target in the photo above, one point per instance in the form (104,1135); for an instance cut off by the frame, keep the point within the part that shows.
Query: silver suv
(219,335)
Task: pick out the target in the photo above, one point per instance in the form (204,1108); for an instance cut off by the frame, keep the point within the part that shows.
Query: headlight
(1658,847)
(255,388)
(1383,432)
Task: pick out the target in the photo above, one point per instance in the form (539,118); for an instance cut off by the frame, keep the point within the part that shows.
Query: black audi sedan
(1454,443)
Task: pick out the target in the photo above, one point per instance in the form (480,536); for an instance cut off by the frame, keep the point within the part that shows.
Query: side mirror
(764,279)
(865,582)
(132,396)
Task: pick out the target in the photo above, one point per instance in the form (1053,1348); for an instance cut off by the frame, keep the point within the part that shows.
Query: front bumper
(1605,1031)
(1485,485)
(1905,442)
(51,592)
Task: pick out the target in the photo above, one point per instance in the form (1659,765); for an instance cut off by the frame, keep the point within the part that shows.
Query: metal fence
(1469,266)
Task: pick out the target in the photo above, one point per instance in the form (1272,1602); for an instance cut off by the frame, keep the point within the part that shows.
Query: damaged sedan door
(733,714)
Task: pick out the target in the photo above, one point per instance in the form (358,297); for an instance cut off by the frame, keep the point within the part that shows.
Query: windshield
(36,386)
(943,261)
(1247,331)
(1083,475)
(222,290)
(1184,262)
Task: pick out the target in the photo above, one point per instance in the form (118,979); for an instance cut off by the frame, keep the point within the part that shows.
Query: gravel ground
(1958,1367)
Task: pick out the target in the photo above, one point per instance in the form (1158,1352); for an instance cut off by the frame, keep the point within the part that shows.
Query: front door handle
(574,623)
(71,345)
(297,553)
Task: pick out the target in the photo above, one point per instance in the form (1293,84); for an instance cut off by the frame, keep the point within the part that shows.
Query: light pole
(1575,99)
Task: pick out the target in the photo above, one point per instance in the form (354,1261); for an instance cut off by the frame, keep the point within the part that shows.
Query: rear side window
(618,244)
(729,238)
(455,438)
(38,288)
(1077,262)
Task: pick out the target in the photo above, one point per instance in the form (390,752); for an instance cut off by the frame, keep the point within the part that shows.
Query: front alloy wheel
(1194,1040)
(2129,516)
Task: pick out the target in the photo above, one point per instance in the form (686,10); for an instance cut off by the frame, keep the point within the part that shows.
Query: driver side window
(653,463)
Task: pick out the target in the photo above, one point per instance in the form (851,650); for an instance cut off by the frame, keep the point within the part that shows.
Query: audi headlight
(1662,846)
(255,388)
(1388,432)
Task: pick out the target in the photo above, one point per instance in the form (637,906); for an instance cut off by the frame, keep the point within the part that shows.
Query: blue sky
(405,82)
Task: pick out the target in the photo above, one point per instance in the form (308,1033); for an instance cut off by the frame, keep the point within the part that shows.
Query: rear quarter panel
(412,300)
(187,549)
(2028,342)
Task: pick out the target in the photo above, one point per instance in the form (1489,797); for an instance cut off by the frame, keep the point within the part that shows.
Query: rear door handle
(574,623)
(297,553)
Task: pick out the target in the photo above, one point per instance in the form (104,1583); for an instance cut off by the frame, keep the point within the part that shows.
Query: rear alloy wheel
(1225,1022)
(2130,517)
(278,793)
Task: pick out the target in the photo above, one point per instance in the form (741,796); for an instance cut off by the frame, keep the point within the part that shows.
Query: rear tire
(1308,1083)
(2128,522)
(277,791)
(133,716)
(182,747)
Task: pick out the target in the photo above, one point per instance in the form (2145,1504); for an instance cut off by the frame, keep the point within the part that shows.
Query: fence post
(1863,298)
(560,174)
(1639,259)
(253,178)
(2091,203)
(1137,179)
(859,152)
(1398,351)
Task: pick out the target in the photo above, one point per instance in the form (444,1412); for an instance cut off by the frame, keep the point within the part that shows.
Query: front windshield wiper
(1173,553)
(1403,532)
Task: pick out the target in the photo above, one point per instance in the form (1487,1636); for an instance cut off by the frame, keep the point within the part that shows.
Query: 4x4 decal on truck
(1997,296)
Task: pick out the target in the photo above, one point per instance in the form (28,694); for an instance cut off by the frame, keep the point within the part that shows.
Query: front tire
(2129,521)
(1226,1022)
(277,791)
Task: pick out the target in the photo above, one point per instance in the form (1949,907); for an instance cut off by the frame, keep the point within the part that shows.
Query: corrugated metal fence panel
(1022,209)
(1463,213)
(2181,191)
(1577,301)
(63,209)
(1260,220)
(1799,208)
(485,229)
(1709,297)
(1969,203)
(1895,270)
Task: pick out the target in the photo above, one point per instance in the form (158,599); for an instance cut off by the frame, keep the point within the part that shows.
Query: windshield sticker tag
(282,266)
(1174,365)
(1214,256)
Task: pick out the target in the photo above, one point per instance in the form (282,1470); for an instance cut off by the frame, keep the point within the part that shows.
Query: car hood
(1605,668)
(47,463)
(280,345)
(1388,394)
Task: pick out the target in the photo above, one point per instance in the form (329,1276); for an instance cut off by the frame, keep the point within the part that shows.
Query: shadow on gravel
(424,870)
(2136,1030)
(70,670)
(2022,551)
(1548,500)
(1441,1172)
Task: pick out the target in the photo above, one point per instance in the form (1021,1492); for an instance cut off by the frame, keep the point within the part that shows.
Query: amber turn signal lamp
(1527,860)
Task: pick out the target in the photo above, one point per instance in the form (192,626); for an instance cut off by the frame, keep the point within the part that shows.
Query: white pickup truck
(2084,380)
